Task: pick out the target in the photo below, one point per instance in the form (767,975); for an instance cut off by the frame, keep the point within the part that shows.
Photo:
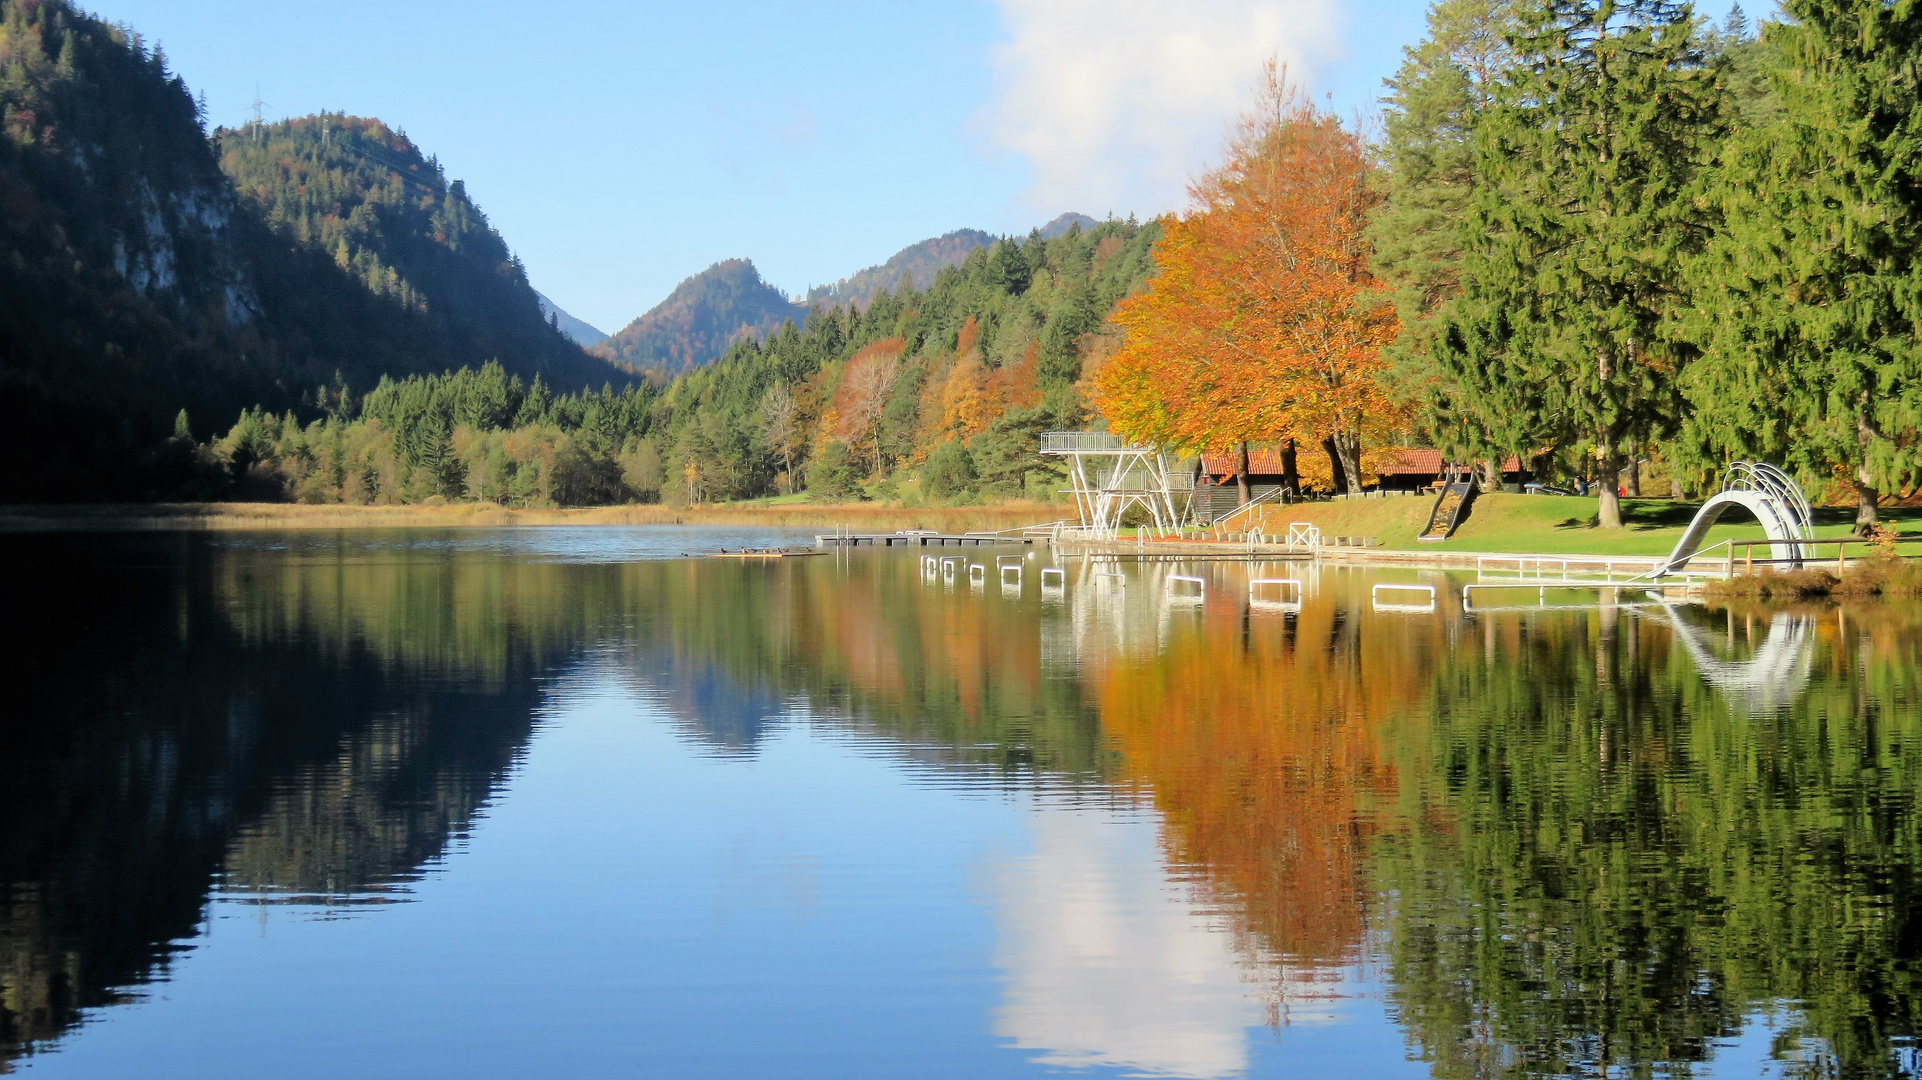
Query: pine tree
(1812,296)
(1587,170)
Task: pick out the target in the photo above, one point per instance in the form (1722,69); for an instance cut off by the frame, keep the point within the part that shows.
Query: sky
(621,147)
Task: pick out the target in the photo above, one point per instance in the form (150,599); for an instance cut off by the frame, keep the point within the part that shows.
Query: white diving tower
(1769,494)
(1110,476)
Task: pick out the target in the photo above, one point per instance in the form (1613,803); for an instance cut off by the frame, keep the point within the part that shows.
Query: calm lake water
(563,803)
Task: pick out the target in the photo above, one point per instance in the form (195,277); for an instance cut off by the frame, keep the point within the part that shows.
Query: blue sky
(621,147)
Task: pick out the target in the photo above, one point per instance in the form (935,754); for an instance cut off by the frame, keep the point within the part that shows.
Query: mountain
(729,301)
(362,193)
(577,331)
(700,319)
(1060,226)
(916,264)
(136,282)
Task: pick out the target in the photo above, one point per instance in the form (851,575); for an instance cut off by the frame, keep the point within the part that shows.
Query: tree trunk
(1334,463)
(1632,472)
(1491,470)
(1348,447)
(1865,493)
(1290,474)
(1675,489)
(1865,499)
(1241,474)
(1607,476)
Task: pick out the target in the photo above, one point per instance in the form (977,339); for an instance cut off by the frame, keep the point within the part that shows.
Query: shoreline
(212,516)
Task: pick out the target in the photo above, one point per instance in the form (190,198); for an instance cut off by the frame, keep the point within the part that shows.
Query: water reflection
(1109,963)
(1774,674)
(1552,842)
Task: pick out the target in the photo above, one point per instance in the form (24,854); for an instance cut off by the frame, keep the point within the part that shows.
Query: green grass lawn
(1553,525)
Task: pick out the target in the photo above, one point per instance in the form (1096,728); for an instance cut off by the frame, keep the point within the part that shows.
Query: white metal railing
(1284,586)
(1060,577)
(1303,534)
(1542,587)
(1200,584)
(1079,442)
(1540,567)
(1427,592)
(1270,496)
(1765,478)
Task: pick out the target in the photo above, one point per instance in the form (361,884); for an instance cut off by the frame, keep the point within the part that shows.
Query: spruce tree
(1587,170)
(1811,317)
(1429,114)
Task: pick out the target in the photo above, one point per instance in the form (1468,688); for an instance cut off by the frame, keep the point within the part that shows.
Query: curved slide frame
(1764,491)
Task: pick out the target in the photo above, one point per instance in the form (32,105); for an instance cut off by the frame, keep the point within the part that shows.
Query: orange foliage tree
(862,397)
(1264,322)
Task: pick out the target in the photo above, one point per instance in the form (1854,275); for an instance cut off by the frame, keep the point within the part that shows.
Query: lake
(565,802)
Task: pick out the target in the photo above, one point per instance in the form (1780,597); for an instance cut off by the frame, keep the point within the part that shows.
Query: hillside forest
(939,394)
(1618,239)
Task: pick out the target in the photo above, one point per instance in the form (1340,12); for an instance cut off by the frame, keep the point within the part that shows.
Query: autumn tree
(1265,322)
(1588,169)
(861,400)
(782,423)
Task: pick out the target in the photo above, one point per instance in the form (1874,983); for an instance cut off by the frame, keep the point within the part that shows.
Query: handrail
(1264,497)
(1083,442)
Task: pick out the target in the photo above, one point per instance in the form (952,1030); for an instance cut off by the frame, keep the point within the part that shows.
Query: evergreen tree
(1443,85)
(1812,298)
(1587,172)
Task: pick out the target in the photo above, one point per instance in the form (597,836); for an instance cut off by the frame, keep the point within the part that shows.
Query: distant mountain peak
(729,300)
(701,318)
(1062,225)
(917,264)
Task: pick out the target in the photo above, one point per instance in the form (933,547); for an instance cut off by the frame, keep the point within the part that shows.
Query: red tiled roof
(1260,463)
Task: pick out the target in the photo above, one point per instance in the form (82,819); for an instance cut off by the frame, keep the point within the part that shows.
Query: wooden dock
(920,538)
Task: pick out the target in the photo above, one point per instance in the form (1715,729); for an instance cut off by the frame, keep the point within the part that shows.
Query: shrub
(949,471)
(833,475)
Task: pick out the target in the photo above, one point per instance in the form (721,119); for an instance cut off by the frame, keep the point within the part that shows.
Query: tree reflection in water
(1567,842)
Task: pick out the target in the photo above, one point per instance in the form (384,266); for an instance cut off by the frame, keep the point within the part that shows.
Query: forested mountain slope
(913,265)
(728,301)
(365,195)
(700,319)
(952,383)
(135,284)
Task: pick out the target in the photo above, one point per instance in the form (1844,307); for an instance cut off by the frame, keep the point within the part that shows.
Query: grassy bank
(1550,524)
(861,517)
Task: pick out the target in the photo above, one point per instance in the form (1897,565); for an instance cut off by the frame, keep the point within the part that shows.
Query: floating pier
(918,538)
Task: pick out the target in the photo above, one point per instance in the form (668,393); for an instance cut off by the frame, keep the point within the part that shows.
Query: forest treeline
(939,394)
(1595,232)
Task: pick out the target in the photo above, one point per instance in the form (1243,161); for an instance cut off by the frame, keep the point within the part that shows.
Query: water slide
(1450,506)
(1764,491)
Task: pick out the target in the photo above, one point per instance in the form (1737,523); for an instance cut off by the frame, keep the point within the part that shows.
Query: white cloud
(1117,104)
